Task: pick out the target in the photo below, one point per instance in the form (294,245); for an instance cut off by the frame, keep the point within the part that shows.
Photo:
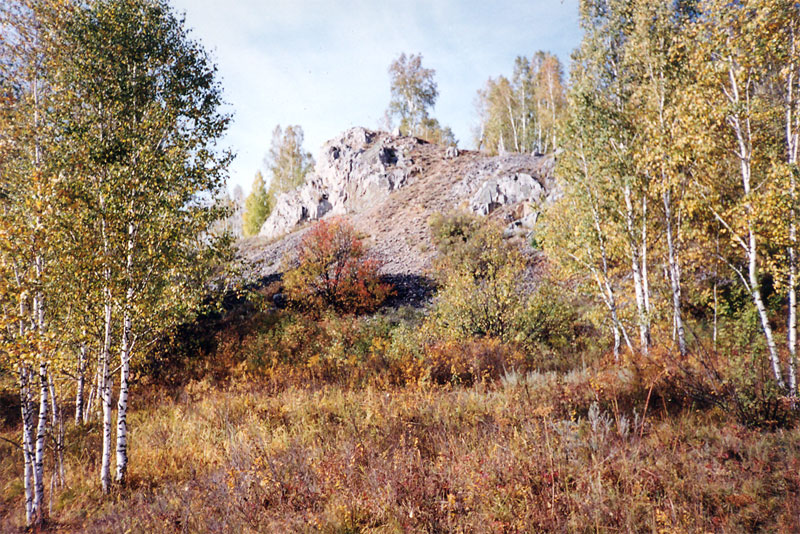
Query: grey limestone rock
(356,169)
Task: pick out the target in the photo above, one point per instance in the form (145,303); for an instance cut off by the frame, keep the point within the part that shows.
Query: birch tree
(603,111)
(657,60)
(29,188)
(522,114)
(781,26)
(143,142)
(287,160)
(733,117)
(413,96)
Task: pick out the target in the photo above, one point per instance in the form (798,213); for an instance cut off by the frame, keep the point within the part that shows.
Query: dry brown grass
(344,425)
(505,458)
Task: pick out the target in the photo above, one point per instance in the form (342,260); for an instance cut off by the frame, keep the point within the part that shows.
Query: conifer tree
(257,207)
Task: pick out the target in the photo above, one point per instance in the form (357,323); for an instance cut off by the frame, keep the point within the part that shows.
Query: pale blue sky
(323,64)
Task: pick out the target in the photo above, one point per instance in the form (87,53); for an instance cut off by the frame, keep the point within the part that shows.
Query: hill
(388,186)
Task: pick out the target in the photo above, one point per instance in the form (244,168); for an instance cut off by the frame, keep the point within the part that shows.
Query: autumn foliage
(332,270)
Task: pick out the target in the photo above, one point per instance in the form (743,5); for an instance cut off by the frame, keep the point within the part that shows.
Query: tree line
(680,171)
(108,174)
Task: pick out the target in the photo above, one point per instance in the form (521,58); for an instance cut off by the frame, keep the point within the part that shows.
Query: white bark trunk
(125,358)
(81,384)
(87,410)
(644,330)
(524,111)
(674,273)
(27,442)
(644,269)
(553,125)
(792,142)
(41,432)
(122,404)
(105,466)
(752,272)
(743,134)
(57,433)
(513,123)
(603,285)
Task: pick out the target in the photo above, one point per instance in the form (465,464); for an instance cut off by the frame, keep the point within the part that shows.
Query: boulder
(505,189)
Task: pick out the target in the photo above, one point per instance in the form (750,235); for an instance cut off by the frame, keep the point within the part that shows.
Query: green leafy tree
(413,95)
(287,161)
(138,130)
(257,207)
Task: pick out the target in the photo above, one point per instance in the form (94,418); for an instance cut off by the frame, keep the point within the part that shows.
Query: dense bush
(332,270)
(737,382)
(480,290)
(486,289)
(452,232)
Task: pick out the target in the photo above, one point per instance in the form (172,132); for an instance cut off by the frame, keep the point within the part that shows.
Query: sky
(324,64)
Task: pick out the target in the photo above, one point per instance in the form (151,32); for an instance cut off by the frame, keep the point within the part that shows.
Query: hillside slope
(389,186)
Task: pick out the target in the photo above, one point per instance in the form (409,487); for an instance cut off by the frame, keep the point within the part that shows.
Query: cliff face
(389,186)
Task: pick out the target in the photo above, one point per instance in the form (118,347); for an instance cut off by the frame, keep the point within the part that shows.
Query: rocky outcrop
(357,169)
(390,185)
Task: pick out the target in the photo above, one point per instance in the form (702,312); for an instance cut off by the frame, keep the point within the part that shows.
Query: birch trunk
(105,466)
(539,147)
(752,272)
(122,404)
(27,442)
(57,432)
(125,358)
(524,110)
(551,90)
(644,269)
(41,432)
(513,123)
(792,141)
(674,273)
(87,410)
(81,384)
(608,293)
(603,285)
(644,330)
(743,133)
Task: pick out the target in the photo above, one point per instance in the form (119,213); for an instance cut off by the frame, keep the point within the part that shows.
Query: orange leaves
(332,271)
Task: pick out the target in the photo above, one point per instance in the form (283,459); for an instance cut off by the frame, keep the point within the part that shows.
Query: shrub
(480,293)
(451,232)
(549,318)
(332,270)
